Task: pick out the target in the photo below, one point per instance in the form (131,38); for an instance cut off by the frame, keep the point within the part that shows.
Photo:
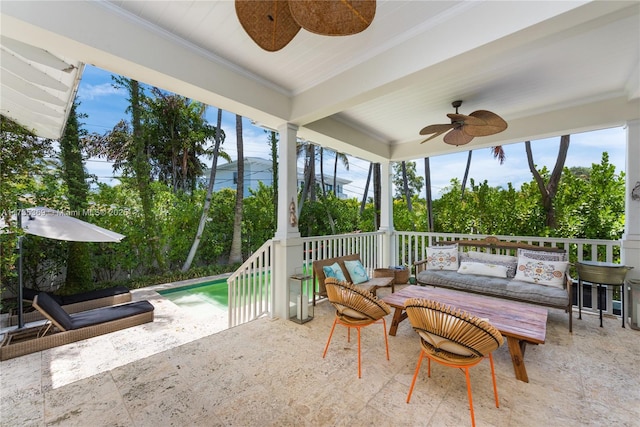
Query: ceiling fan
(272,24)
(463,128)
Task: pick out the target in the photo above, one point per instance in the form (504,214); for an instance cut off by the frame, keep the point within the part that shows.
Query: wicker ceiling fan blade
(457,137)
(435,135)
(333,17)
(269,23)
(494,124)
(436,129)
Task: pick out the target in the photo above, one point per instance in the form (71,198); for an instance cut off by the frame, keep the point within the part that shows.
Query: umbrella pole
(20,319)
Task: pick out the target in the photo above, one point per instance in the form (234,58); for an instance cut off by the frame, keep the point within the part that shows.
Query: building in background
(261,170)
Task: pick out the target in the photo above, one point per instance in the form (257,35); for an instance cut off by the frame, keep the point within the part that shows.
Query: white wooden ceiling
(548,67)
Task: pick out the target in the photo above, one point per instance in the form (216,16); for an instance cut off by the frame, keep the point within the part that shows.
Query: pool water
(200,296)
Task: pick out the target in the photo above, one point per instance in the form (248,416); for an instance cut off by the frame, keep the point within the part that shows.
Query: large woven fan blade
(269,22)
(493,124)
(457,137)
(436,130)
(333,17)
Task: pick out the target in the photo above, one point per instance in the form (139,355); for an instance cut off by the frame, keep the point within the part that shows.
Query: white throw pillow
(542,272)
(439,258)
(482,269)
(356,271)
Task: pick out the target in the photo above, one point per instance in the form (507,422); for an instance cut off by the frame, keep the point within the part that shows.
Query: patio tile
(271,373)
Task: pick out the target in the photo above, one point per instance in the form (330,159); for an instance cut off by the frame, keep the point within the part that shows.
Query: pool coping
(183,283)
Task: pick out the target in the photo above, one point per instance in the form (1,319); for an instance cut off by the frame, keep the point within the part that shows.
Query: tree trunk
(548,191)
(427,180)
(377,194)
(207,199)
(235,255)
(405,185)
(332,223)
(335,175)
(143,174)
(366,189)
(466,175)
(273,142)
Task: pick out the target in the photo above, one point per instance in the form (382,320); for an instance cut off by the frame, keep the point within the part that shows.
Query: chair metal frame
(355,308)
(465,341)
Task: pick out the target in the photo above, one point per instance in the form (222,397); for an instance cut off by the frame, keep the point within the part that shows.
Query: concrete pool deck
(183,371)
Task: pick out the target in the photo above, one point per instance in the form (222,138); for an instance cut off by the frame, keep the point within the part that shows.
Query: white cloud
(91,92)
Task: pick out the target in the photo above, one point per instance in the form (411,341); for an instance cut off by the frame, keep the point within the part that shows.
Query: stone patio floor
(186,369)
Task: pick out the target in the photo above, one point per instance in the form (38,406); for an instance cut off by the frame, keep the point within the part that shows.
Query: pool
(200,296)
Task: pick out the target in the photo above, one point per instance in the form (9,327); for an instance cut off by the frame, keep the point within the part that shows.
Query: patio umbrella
(52,224)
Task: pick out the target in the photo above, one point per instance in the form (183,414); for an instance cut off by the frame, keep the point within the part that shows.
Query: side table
(601,273)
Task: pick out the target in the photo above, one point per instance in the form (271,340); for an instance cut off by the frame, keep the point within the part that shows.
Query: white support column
(631,236)
(386,212)
(288,244)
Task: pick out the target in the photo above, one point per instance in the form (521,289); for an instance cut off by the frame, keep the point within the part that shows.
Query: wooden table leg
(516,349)
(398,316)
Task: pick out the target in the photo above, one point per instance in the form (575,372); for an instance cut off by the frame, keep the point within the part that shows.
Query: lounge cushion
(90,317)
(29,294)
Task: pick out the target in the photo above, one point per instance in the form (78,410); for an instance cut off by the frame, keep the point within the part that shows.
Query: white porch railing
(368,245)
(251,286)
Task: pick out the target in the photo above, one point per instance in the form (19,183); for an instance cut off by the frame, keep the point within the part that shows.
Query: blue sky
(105,106)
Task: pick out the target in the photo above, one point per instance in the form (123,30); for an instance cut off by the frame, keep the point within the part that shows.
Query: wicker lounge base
(105,320)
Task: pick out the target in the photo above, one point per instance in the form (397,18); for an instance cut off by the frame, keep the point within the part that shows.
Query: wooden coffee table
(520,323)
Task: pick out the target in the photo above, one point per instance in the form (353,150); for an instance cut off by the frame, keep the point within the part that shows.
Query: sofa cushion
(496,286)
(356,271)
(334,271)
(494,270)
(442,258)
(541,272)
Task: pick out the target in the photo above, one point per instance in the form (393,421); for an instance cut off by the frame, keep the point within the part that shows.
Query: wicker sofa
(478,267)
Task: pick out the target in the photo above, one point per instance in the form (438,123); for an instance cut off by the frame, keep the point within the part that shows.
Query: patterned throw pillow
(439,258)
(542,272)
(542,255)
(334,271)
(482,269)
(356,271)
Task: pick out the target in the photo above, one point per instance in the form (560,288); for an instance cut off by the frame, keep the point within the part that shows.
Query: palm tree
(235,255)
(497,152)
(345,161)
(429,196)
(207,199)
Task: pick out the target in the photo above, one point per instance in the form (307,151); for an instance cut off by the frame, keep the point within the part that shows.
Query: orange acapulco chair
(452,338)
(355,308)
